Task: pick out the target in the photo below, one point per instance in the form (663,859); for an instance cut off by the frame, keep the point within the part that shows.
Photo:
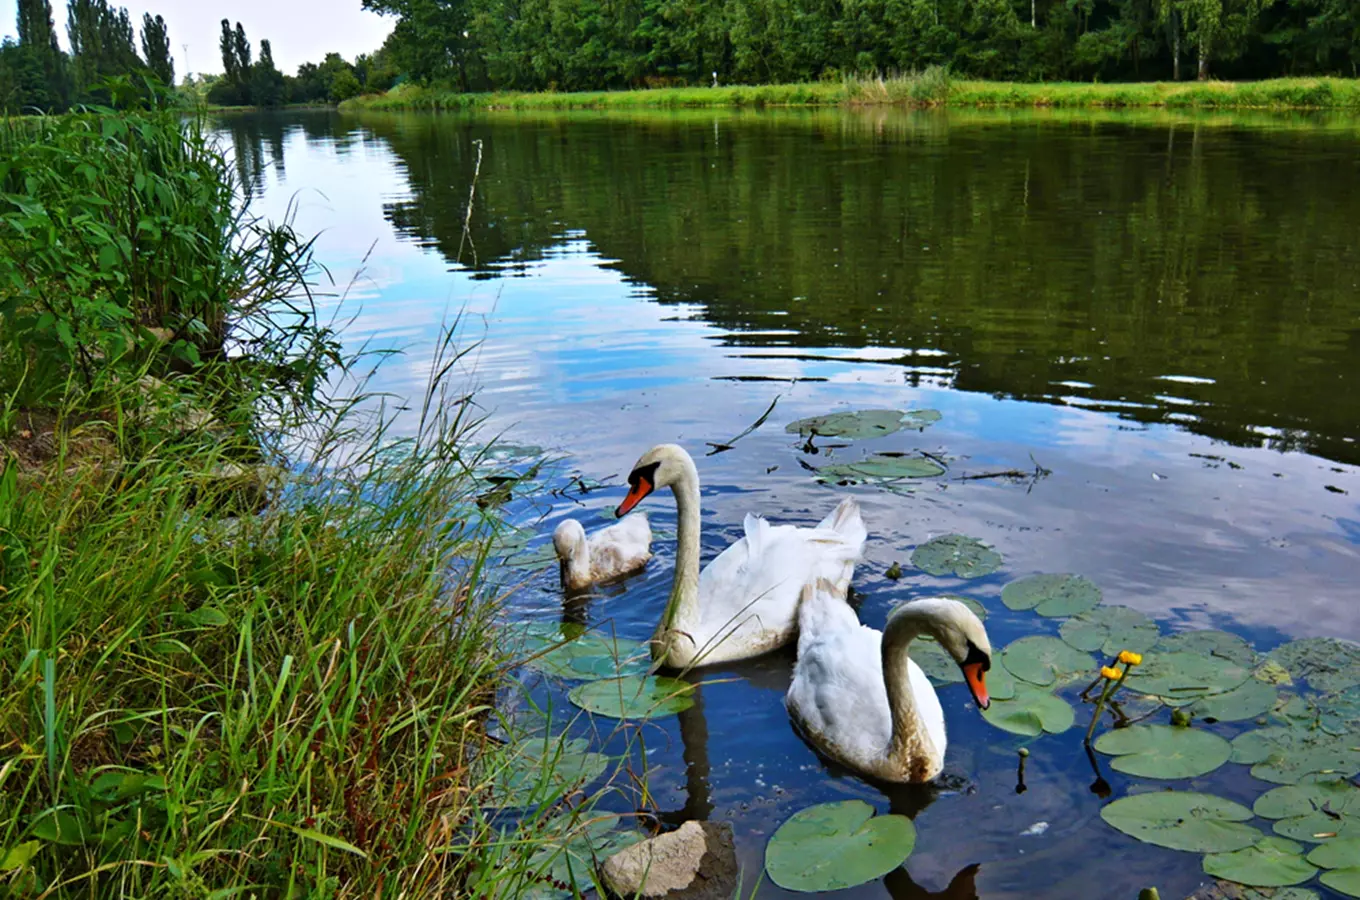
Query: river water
(1161,311)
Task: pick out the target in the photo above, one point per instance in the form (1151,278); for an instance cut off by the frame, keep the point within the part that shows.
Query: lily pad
(1338,854)
(864,423)
(954,554)
(921,418)
(634,697)
(1220,644)
(1183,820)
(935,662)
(1030,712)
(1321,807)
(837,845)
(1248,700)
(1052,595)
(1287,755)
(1109,629)
(1327,664)
(879,468)
(587,655)
(1343,881)
(1164,751)
(1335,793)
(1181,675)
(1044,660)
(542,769)
(1273,862)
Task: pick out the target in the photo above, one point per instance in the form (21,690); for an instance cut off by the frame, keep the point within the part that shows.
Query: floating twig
(727,445)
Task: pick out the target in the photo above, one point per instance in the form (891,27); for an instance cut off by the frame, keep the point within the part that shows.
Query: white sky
(299,31)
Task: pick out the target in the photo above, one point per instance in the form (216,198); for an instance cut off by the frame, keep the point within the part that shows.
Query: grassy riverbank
(931,88)
(246,641)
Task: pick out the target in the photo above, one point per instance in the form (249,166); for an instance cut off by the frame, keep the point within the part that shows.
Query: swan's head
(569,540)
(961,633)
(665,465)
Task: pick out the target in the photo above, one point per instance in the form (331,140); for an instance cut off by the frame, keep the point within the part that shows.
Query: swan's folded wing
(838,693)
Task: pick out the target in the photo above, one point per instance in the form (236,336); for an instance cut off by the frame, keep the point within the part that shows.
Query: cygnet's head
(569,540)
(962,635)
(662,466)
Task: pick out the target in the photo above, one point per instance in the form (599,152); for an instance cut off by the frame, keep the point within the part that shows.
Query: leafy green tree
(156,49)
(101,46)
(266,81)
(38,38)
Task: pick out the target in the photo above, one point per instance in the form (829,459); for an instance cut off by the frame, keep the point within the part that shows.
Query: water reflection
(1103,298)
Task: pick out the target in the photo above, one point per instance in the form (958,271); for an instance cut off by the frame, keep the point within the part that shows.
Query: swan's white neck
(674,643)
(910,746)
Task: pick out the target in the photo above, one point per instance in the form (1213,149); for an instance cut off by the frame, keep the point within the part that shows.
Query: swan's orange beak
(976,677)
(636,491)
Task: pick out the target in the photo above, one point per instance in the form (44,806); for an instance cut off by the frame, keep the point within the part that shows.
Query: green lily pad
(921,418)
(879,468)
(634,697)
(837,845)
(587,655)
(1030,712)
(1220,644)
(1044,660)
(1183,820)
(1052,595)
(1343,881)
(954,554)
(1318,808)
(1327,664)
(1273,673)
(1110,629)
(1176,677)
(540,769)
(1337,854)
(1274,862)
(859,424)
(1248,700)
(1164,751)
(1333,792)
(568,855)
(1287,755)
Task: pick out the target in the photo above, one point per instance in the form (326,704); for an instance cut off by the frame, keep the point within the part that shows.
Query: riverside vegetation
(246,634)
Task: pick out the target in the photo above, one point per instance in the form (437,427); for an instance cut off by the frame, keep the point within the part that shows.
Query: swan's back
(621,548)
(749,592)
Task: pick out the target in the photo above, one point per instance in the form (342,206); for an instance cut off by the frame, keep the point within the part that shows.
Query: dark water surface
(1163,312)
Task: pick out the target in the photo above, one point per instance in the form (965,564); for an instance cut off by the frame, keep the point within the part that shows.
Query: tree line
(35,74)
(247,82)
(593,44)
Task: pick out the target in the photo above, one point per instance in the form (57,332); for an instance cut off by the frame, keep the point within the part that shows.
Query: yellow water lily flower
(1112,674)
(1129,658)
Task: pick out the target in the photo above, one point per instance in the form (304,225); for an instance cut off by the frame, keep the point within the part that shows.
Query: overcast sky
(299,31)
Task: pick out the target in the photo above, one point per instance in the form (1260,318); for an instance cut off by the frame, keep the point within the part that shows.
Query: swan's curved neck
(910,743)
(576,566)
(682,609)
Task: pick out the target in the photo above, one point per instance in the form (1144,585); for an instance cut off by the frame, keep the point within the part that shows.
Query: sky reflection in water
(581,356)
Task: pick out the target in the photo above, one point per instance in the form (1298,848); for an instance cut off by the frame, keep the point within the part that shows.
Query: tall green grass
(200,698)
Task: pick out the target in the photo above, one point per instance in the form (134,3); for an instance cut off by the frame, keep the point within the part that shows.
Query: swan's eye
(977,657)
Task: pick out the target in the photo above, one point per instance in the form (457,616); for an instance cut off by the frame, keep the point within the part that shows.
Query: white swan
(744,602)
(859,698)
(609,553)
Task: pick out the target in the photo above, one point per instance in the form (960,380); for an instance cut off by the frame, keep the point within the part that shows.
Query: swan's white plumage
(609,553)
(749,593)
(745,602)
(840,697)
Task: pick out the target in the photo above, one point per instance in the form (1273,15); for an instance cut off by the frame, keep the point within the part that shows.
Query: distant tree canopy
(261,83)
(36,76)
(584,44)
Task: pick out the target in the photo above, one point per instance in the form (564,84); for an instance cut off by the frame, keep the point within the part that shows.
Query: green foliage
(956,554)
(156,49)
(112,225)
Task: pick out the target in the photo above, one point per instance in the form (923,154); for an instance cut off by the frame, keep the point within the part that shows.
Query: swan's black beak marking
(641,482)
